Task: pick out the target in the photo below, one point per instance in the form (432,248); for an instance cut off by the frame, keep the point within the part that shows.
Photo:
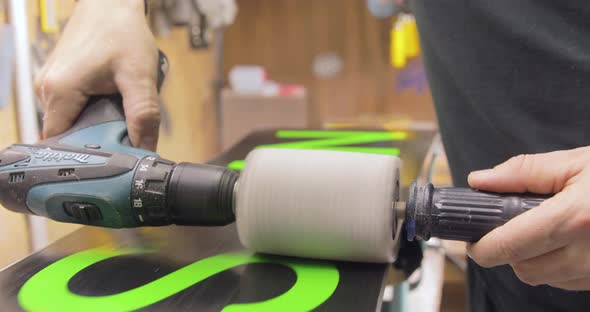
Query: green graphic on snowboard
(48,289)
(343,141)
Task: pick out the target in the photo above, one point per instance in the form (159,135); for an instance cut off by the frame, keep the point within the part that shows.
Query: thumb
(142,110)
(536,173)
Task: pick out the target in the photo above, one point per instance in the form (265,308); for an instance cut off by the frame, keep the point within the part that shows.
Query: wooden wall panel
(286,35)
(188,97)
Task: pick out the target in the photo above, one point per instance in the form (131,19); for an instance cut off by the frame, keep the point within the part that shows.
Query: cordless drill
(92,175)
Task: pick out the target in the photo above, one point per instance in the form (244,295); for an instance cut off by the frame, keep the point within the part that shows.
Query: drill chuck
(185,194)
(202,195)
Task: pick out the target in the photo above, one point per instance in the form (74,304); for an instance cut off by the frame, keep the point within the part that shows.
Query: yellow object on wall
(398,44)
(404,40)
(412,37)
(48,16)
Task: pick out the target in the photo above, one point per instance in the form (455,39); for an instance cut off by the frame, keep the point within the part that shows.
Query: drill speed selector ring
(149,191)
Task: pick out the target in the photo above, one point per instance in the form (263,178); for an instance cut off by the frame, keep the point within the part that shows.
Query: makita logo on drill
(56,156)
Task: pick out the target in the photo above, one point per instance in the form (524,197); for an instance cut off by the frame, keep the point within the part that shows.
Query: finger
(535,232)
(577,284)
(560,265)
(537,173)
(40,88)
(142,109)
(62,106)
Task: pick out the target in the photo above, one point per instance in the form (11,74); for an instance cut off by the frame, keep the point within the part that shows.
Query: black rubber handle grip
(461,213)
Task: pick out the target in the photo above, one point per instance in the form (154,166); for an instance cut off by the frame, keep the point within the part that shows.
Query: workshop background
(329,64)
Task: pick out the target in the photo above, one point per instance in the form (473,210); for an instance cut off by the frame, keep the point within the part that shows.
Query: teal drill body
(70,198)
(91,175)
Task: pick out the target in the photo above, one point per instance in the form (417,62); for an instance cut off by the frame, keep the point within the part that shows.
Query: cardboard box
(242,114)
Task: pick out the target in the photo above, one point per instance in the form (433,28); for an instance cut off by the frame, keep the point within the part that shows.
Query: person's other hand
(106,47)
(549,244)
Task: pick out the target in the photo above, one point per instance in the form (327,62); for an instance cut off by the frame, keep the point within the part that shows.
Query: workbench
(178,268)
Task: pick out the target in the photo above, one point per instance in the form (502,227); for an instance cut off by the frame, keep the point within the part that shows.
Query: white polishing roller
(345,206)
(318,204)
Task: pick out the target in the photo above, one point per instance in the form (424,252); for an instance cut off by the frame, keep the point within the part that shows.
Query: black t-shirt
(508,77)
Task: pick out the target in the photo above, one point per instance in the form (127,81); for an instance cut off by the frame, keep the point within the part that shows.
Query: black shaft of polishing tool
(461,214)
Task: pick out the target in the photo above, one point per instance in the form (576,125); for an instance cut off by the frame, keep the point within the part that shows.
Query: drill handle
(107,108)
(463,214)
